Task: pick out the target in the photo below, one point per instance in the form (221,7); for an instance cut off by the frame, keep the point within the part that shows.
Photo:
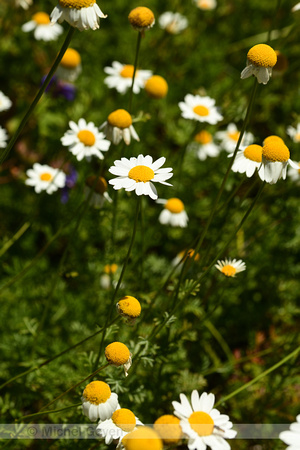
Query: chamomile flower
(294,133)
(107,279)
(204,146)
(275,159)
(45,178)
(230,137)
(119,126)
(296,7)
(293,173)
(139,174)
(173,23)
(200,108)
(23,3)
(99,195)
(247,160)
(3,137)
(98,402)
(81,14)
(143,438)
(43,29)
(122,422)
(84,140)
(141,18)
(260,60)
(173,213)
(292,436)
(70,66)
(5,102)
(156,87)
(117,354)
(230,267)
(169,429)
(120,77)
(206,4)
(129,307)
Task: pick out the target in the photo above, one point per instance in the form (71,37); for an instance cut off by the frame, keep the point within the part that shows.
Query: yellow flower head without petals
(124,419)
(262,55)
(71,59)
(120,119)
(97,392)
(117,354)
(143,438)
(156,87)
(141,18)
(129,307)
(275,150)
(169,429)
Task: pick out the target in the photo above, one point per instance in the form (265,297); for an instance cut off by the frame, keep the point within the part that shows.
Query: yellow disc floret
(129,306)
(117,354)
(76,4)
(120,118)
(127,71)
(168,428)
(262,55)
(71,59)
(141,17)
(201,110)
(124,419)
(156,87)
(141,174)
(46,176)
(98,184)
(229,270)
(275,151)
(253,152)
(97,392)
(174,205)
(86,137)
(41,18)
(144,438)
(204,137)
(202,423)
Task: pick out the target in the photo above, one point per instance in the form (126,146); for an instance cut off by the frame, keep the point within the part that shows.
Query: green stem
(50,412)
(39,94)
(15,237)
(138,44)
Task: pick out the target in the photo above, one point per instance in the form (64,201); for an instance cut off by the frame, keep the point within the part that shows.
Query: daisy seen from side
(294,133)
(204,146)
(42,28)
(139,174)
(156,87)
(201,423)
(118,354)
(230,137)
(260,60)
(130,308)
(206,5)
(98,402)
(247,160)
(169,429)
(3,137)
(122,422)
(23,3)
(230,267)
(173,213)
(291,437)
(202,109)
(5,102)
(120,77)
(173,23)
(96,191)
(45,178)
(70,66)
(81,14)
(119,126)
(275,159)
(141,18)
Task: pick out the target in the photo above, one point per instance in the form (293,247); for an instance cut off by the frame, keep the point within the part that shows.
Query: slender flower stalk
(138,44)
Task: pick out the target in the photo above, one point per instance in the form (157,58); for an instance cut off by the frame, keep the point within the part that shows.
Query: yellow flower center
(110,268)
(204,137)
(156,86)
(262,55)
(201,110)
(46,176)
(168,428)
(86,137)
(234,135)
(127,71)
(141,17)
(274,151)
(253,152)
(124,419)
(41,18)
(98,184)
(71,59)
(174,205)
(144,438)
(202,423)
(228,270)
(120,118)
(203,4)
(117,354)
(97,392)
(297,137)
(129,306)
(76,4)
(141,174)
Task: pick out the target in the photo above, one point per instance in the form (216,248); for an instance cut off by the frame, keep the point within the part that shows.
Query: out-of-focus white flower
(206,4)
(70,66)
(296,7)
(5,102)
(294,133)
(45,178)
(173,23)
(120,77)
(23,3)
(204,146)
(230,137)
(200,108)
(173,213)
(43,29)
(3,137)
(292,436)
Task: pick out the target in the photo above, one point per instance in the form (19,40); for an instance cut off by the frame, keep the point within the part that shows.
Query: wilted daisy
(206,4)
(203,425)
(129,307)
(230,137)
(294,133)
(292,436)
(230,267)
(173,213)
(141,18)
(98,402)
(23,3)
(156,87)
(275,159)
(45,178)
(70,66)
(296,7)
(260,60)
(120,77)
(173,23)
(169,429)
(3,137)
(143,438)
(84,140)
(99,195)
(119,126)
(204,146)
(81,14)
(5,102)
(122,422)
(117,354)
(139,174)
(247,160)
(200,108)
(43,29)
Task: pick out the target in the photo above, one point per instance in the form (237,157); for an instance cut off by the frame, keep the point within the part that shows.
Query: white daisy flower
(200,108)
(204,146)
(230,267)
(3,137)
(260,60)
(292,436)
(275,159)
(70,66)
(5,102)
(173,213)
(247,160)
(203,425)
(98,402)
(139,174)
(122,422)
(23,3)
(296,7)
(43,29)
(81,14)
(84,140)
(230,137)
(293,173)
(119,126)
(99,195)
(120,77)
(45,178)
(294,133)
(173,23)
(206,4)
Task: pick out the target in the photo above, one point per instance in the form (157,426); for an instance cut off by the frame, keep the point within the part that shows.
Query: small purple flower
(70,183)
